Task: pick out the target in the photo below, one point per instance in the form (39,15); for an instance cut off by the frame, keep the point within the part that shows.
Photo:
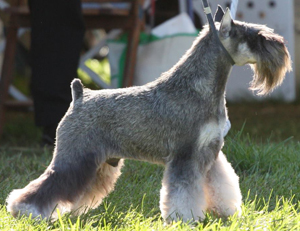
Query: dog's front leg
(182,195)
(222,188)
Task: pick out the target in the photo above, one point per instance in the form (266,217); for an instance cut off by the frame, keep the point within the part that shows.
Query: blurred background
(168,29)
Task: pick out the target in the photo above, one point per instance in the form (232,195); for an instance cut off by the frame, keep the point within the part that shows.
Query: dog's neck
(204,68)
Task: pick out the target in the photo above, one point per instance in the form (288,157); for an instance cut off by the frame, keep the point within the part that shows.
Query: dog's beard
(273,61)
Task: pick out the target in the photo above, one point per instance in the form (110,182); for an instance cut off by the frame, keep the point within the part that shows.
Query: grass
(264,120)
(269,180)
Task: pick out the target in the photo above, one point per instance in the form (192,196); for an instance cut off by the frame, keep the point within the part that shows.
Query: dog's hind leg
(99,188)
(60,186)
(222,189)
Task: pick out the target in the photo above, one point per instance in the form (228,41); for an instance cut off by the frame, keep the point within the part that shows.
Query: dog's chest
(210,132)
(213,129)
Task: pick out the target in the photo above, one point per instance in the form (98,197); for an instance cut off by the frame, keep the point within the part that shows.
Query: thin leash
(211,23)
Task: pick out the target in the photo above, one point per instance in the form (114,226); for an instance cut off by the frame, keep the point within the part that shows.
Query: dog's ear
(219,14)
(226,24)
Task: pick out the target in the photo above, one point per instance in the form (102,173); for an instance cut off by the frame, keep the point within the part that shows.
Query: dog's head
(258,46)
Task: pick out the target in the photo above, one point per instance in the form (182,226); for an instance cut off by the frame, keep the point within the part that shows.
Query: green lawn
(268,169)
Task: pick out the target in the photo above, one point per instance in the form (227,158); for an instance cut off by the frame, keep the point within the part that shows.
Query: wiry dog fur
(177,121)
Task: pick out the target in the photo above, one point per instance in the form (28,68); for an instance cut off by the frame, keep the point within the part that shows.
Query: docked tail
(77,89)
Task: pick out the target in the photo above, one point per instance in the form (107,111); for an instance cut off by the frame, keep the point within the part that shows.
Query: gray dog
(176,120)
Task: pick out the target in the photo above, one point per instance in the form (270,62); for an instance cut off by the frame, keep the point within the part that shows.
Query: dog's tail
(77,89)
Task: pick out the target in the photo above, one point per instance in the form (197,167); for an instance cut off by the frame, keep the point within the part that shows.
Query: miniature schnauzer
(176,120)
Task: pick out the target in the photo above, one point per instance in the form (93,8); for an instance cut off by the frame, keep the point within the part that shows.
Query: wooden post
(133,42)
